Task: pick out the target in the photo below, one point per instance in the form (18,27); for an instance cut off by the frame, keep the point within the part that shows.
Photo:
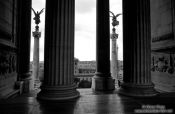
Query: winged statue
(114,18)
(37,15)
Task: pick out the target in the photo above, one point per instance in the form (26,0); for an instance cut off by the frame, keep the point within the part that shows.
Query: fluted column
(102,81)
(59,51)
(114,62)
(137,49)
(35,67)
(23,34)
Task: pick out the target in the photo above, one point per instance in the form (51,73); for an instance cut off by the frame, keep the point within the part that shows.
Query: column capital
(36,34)
(114,36)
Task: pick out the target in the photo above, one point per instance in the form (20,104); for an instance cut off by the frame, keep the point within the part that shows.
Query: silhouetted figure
(114,19)
(37,16)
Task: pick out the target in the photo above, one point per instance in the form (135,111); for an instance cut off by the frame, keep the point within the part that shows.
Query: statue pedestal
(103,83)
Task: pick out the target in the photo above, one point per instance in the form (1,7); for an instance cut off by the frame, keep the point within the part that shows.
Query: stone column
(137,49)
(24,34)
(102,81)
(59,51)
(117,64)
(114,61)
(36,36)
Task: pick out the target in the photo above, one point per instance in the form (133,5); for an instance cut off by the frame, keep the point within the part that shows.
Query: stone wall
(161,19)
(163,71)
(8,50)
(163,44)
(162,24)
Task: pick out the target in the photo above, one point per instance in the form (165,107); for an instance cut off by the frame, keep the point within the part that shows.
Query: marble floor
(90,103)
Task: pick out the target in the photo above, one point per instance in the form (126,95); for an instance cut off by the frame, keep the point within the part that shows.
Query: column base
(137,90)
(58,93)
(104,84)
(27,82)
(37,84)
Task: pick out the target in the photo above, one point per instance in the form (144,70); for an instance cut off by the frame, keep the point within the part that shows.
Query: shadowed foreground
(89,103)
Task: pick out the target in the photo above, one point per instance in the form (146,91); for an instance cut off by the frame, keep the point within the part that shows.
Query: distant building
(84,67)
(85,70)
(76,65)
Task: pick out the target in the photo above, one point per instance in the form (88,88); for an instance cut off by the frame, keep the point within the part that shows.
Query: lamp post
(114,37)
(36,35)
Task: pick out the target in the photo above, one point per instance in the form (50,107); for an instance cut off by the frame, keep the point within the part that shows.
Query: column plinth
(105,83)
(138,90)
(58,93)
(58,81)
(27,81)
(137,49)
(102,81)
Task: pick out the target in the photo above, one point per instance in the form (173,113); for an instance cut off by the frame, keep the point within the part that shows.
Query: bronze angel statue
(114,19)
(37,16)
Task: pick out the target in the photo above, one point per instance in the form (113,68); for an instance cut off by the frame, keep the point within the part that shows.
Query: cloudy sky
(85,28)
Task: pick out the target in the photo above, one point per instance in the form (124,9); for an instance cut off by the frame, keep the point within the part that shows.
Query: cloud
(86,22)
(85,30)
(84,6)
(116,6)
(38,4)
(85,48)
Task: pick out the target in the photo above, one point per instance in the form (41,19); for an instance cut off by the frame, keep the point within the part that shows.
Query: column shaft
(36,58)
(23,34)
(59,51)
(114,68)
(36,66)
(102,81)
(137,49)
(102,37)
